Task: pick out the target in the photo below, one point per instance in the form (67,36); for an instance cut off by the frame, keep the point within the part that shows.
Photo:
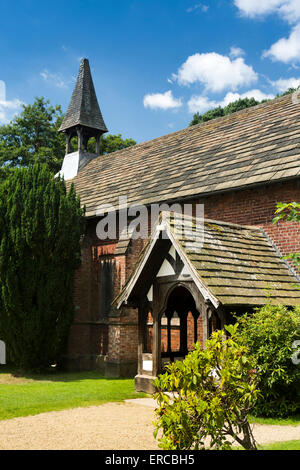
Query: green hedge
(269,335)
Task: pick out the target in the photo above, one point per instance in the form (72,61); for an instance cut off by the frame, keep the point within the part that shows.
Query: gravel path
(113,426)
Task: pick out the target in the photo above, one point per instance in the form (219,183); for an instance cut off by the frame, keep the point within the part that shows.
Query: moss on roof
(237,264)
(255,145)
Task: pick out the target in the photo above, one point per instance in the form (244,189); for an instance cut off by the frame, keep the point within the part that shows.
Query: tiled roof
(256,145)
(84,109)
(237,265)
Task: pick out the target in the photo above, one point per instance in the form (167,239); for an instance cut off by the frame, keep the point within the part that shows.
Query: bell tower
(84,120)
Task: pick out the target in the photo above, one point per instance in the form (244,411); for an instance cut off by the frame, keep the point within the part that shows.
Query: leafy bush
(213,391)
(269,335)
(40,229)
(291,213)
(233,107)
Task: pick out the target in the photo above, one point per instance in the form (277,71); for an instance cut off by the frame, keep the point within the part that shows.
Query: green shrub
(213,391)
(269,335)
(291,213)
(40,229)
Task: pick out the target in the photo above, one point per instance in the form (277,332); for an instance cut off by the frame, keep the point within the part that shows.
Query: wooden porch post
(205,325)
(196,315)
(141,337)
(169,316)
(183,332)
(156,348)
(156,353)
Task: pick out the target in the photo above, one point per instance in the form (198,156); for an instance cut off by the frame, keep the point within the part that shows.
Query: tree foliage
(291,213)
(40,229)
(212,392)
(4,173)
(238,105)
(233,107)
(109,143)
(269,334)
(208,116)
(32,137)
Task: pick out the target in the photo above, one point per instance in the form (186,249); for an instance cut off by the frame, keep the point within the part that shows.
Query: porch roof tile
(238,265)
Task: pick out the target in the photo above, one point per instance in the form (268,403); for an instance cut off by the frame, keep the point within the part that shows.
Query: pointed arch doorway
(178,319)
(179,324)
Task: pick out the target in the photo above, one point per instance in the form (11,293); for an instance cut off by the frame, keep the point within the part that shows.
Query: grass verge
(286,445)
(290,421)
(32,394)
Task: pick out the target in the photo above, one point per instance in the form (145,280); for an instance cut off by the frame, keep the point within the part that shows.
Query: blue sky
(154,63)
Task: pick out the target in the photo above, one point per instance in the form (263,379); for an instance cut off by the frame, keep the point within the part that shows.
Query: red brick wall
(257,207)
(123,337)
(254,206)
(133,253)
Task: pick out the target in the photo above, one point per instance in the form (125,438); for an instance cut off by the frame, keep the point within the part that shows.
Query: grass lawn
(284,445)
(287,445)
(33,394)
(291,421)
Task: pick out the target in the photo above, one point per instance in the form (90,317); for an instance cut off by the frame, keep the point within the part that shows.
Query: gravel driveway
(112,426)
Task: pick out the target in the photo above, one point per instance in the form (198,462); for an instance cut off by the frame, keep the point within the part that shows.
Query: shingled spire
(82,119)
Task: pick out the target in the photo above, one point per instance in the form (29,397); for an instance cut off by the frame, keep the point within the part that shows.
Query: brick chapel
(140,303)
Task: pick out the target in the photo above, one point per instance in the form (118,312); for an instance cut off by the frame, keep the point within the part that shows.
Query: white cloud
(193,8)
(236,52)
(162,101)
(54,79)
(202,104)
(216,72)
(288,10)
(283,84)
(198,6)
(8,108)
(286,49)
(254,8)
(258,95)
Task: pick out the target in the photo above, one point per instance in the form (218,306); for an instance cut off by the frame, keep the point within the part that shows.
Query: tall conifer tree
(41,225)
